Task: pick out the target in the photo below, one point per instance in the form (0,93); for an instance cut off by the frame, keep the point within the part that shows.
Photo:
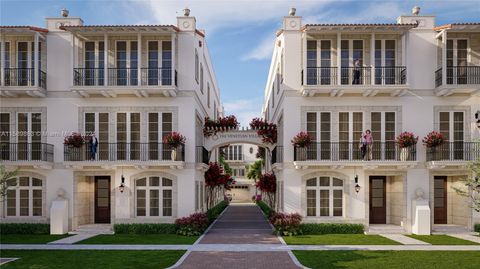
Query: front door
(440,200)
(378,205)
(102,199)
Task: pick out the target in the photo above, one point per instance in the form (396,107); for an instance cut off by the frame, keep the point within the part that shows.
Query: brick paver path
(240,224)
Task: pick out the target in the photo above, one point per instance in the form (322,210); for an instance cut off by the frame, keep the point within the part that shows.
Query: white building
(129,84)
(413,75)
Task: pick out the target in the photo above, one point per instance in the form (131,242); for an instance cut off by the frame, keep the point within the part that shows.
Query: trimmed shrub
(476,227)
(215,211)
(195,224)
(24,228)
(145,228)
(286,224)
(265,208)
(331,228)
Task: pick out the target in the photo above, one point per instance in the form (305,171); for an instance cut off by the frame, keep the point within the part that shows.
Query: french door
(29,127)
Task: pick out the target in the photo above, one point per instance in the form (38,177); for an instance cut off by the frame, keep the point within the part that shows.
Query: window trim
(330,188)
(147,189)
(30,188)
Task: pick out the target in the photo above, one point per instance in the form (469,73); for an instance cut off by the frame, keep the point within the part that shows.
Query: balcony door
(319,62)
(350,128)
(97,123)
(29,127)
(159,126)
(385,61)
(5,146)
(352,50)
(452,127)
(457,61)
(23,64)
(159,63)
(319,128)
(126,72)
(128,136)
(383,132)
(94,62)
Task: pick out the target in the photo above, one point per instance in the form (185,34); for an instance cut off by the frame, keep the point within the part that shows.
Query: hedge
(476,228)
(265,208)
(145,228)
(24,228)
(215,211)
(331,228)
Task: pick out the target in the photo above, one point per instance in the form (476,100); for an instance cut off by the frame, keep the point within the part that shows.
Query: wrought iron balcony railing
(24,77)
(124,77)
(392,75)
(351,151)
(26,152)
(454,151)
(459,75)
(123,151)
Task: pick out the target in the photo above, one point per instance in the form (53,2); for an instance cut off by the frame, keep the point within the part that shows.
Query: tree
(5,176)
(472,186)
(216,182)
(267,183)
(254,171)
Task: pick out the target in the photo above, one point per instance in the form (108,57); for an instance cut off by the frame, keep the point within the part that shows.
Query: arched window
(24,197)
(324,197)
(153,197)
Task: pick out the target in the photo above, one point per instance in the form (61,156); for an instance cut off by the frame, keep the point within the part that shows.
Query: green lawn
(389,259)
(339,239)
(29,238)
(141,239)
(73,259)
(442,240)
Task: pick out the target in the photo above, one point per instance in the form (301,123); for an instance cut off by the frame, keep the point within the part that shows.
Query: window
(24,197)
(166,63)
(324,197)
(350,127)
(383,127)
(311,62)
(233,153)
(157,131)
(238,172)
(385,60)
(5,136)
(128,136)
(154,197)
(6,55)
(351,50)
(452,127)
(201,78)
(273,95)
(98,123)
(457,59)
(29,126)
(208,95)
(196,65)
(312,131)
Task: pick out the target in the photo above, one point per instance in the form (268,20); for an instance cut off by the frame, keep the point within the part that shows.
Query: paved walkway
(237,226)
(468,237)
(402,239)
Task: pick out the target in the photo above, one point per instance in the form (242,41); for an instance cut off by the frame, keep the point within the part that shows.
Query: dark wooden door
(102,199)
(378,201)
(440,200)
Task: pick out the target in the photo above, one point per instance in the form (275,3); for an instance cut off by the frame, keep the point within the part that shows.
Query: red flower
(75,140)
(174,139)
(302,140)
(433,139)
(267,183)
(211,127)
(268,131)
(406,139)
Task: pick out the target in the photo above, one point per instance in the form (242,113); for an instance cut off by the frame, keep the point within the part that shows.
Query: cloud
(262,51)
(244,109)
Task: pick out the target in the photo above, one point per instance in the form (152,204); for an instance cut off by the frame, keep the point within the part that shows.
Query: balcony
(369,81)
(137,154)
(36,155)
(277,155)
(459,79)
(22,80)
(453,154)
(201,155)
(339,154)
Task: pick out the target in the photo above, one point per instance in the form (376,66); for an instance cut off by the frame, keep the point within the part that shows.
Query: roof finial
(186,12)
(292,11)
(64,12)
(416,10)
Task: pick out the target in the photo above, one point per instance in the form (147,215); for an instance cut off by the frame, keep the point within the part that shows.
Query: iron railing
(24,77)
(122,76)
(26,152)
(123,151)
(88,76)
(157,76)
(459,75)
(352,151)
(277,155)
(201,155)
(454,151)
(321,76)
(390,75)
(355,75)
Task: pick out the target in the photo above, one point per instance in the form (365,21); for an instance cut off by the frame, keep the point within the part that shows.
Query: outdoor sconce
(122,185)
(357,187)
(477,117)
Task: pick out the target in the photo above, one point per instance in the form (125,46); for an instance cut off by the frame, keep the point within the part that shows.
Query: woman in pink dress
(368,138)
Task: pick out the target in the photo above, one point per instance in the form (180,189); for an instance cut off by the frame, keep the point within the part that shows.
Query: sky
(240,33)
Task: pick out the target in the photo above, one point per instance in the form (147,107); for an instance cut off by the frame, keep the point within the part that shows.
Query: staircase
(93,229)
(450,229)
(385,229)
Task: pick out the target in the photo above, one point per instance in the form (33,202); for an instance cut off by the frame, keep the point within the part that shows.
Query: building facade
(335,81)
(130,85)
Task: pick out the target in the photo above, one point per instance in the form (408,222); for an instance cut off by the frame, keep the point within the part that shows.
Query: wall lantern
(122,185)
(477,117)
(357,187)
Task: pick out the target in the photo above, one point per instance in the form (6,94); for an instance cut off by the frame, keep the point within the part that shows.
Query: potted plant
(406,141)
(174,140)
(432,141)
(300,143)
(268,131)
(74,142)
(222,124)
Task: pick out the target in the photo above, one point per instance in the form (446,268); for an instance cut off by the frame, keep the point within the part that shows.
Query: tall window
(233,153)
(452,127)
(201,78)
(325,62)
(312,62)
(153,63)
(208,95)
(457,56)
(126,63)
(350,128)
(351,50)
(196,65)
(6,55)
(154,197)
(22,64)
(383,129)
(324,197)
(121,72)
(98,123)
(312,131)
(5,136)
(29,146)
(385,60)
(128,136)
(24,197)
(166,63)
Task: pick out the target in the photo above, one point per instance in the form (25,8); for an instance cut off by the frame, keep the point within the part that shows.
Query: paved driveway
(239,224)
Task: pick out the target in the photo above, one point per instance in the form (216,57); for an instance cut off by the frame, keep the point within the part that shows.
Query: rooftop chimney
(292,11)
(416,10)
(55,24)
(64,12)
(422,21)
(185,22)
(292,22)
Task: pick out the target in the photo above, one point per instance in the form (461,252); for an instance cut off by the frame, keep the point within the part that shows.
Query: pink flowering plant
(268,131)
(75,140)
(406,139)
(286,224)
(222,124)
(301,140)
(195,224)
(433,139)
(174,139)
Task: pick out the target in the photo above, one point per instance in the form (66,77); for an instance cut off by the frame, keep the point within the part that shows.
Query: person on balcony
(356,72)
(368,141)
(93,144)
